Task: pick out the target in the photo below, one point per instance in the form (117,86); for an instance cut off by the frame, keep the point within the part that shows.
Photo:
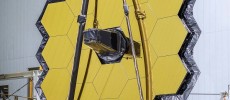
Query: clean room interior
(20,40)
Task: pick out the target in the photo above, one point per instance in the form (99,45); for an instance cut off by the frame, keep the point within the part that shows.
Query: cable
(20,88)
(126,10)
(140,16)
(81,20)
(95,25)
(3,95)
(95,22)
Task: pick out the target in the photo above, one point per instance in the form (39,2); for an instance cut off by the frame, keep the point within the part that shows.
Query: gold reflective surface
(165,35)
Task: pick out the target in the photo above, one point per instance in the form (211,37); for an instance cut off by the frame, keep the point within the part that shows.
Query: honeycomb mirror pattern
(172,34)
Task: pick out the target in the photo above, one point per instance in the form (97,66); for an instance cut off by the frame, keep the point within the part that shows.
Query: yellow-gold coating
(140,16)
(160,35)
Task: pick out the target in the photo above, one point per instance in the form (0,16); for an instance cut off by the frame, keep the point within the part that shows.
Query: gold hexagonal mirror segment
(165,33)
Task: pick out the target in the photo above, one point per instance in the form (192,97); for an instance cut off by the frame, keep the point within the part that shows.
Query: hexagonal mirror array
(172,33)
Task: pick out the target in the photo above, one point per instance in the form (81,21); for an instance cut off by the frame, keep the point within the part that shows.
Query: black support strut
(82,22)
